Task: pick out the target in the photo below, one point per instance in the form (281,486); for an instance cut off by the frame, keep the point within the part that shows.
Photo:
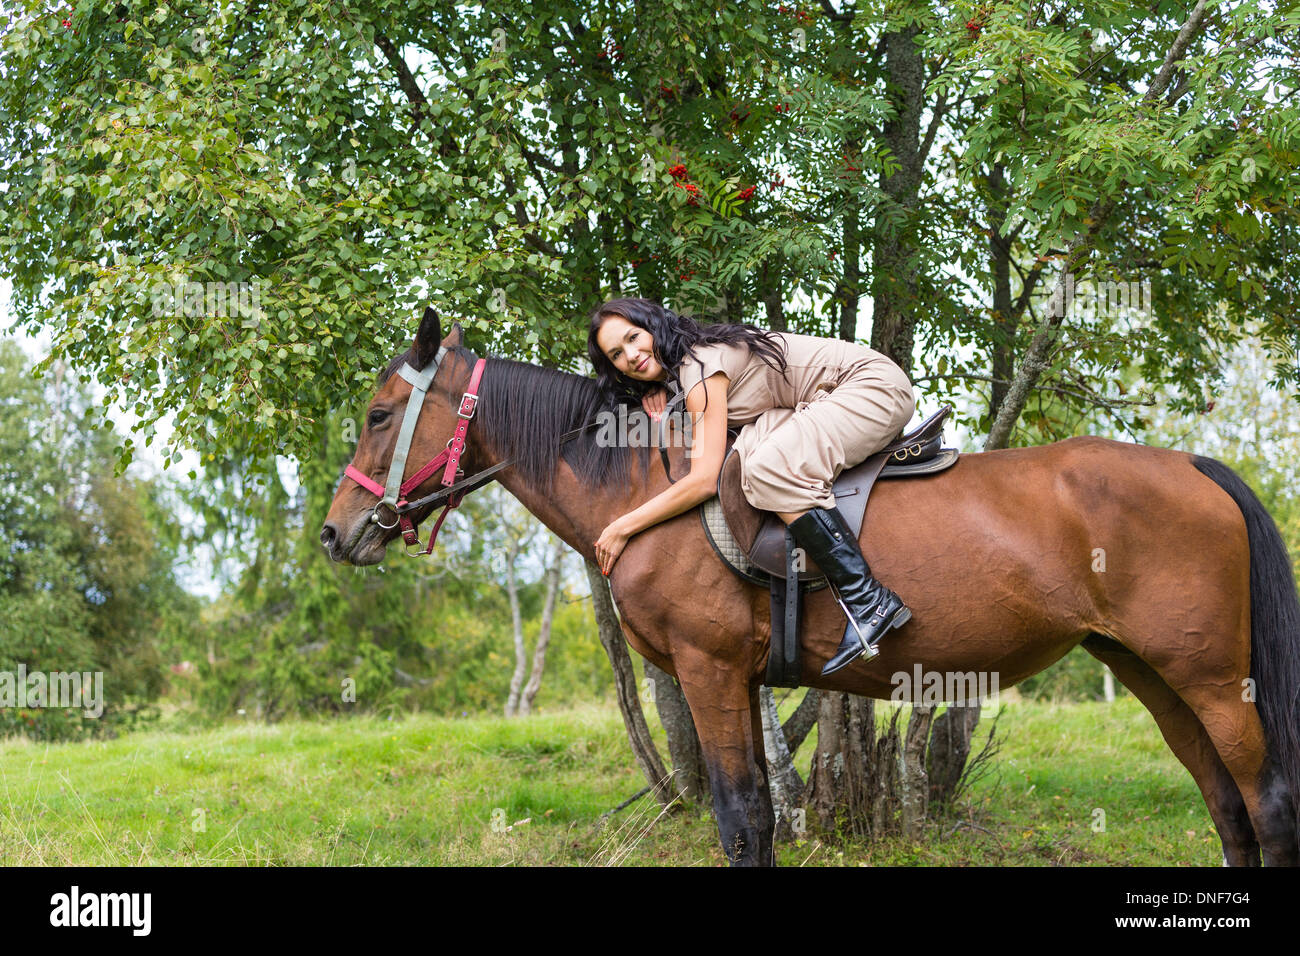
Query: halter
(393,493)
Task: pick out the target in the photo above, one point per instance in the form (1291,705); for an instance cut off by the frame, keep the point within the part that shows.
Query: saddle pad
(724,543)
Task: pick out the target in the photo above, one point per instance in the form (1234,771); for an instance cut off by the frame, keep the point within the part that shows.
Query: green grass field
(488,791)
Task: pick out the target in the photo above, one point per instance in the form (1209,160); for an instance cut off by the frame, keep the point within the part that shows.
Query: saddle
(757,546)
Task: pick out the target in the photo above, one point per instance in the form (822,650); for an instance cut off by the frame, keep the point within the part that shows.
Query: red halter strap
(448,459)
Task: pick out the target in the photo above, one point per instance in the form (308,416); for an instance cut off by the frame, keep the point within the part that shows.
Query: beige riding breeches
(790,457)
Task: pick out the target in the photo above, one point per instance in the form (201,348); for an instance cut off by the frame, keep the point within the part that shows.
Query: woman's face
(630,349)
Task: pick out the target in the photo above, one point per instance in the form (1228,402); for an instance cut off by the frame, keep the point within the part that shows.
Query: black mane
(524,410)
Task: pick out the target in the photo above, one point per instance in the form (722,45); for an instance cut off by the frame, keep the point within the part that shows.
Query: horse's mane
(524,410)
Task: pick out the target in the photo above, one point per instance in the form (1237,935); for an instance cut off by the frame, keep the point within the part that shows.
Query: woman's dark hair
(674,336)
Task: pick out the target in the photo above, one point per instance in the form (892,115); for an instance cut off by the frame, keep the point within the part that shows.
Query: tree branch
(1079,249)
(414,95)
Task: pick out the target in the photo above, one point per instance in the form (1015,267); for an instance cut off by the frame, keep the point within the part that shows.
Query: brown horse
(1162,564)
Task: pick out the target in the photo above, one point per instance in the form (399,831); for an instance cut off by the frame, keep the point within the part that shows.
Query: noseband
(393,493)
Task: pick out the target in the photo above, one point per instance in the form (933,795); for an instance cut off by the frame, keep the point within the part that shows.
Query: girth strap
(783,667)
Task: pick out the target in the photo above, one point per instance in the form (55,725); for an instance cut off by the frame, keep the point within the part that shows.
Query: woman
(811,406)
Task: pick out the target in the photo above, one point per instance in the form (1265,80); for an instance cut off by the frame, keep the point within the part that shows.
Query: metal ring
(374,516)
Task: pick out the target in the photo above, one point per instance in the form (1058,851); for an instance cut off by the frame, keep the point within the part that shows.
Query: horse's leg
(1190,743)
(725,710)
(1211,684)
(1235,729)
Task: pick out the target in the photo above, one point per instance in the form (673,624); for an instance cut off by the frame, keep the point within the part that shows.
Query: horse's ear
(456,336)
(427,338)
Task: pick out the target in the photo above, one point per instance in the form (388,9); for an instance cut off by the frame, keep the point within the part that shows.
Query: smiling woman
(797,435)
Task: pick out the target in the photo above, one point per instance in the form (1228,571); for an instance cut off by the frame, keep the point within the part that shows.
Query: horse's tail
(1274,627)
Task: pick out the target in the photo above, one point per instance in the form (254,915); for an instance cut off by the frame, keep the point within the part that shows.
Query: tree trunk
(517,628)
(782,778)
(629,704)
(854,782)
(771,291)
(915,791)
(949,749)
(802,721)
(691,775)
(554,567)
(1005,318)
(895,304)
(848,291)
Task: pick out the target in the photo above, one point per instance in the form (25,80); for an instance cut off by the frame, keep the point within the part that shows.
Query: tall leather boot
(872,609)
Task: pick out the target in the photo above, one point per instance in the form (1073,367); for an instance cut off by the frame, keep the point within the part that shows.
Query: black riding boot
(872,609)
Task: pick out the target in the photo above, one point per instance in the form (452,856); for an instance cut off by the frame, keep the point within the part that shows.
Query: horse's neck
(574,512)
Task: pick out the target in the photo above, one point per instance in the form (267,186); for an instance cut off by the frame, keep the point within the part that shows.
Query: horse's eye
(377,417)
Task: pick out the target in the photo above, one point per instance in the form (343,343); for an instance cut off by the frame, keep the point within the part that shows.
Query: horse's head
(358,527)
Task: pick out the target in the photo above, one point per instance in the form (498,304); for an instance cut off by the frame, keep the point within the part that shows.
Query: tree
(554,572)
(86,560)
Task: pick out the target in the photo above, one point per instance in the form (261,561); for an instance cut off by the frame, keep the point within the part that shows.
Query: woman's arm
(708,445)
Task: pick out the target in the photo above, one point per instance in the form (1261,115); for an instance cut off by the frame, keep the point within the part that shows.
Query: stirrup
(865,649)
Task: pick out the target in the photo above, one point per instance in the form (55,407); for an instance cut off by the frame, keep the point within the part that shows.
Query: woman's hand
(611,544)
(654,402)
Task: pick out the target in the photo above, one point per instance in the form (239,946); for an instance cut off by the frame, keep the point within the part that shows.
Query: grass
(488,791)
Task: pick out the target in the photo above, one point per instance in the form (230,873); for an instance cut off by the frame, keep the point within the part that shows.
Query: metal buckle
(472,400)
(908,451)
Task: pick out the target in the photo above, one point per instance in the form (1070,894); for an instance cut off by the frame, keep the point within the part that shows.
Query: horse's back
(1077,527)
